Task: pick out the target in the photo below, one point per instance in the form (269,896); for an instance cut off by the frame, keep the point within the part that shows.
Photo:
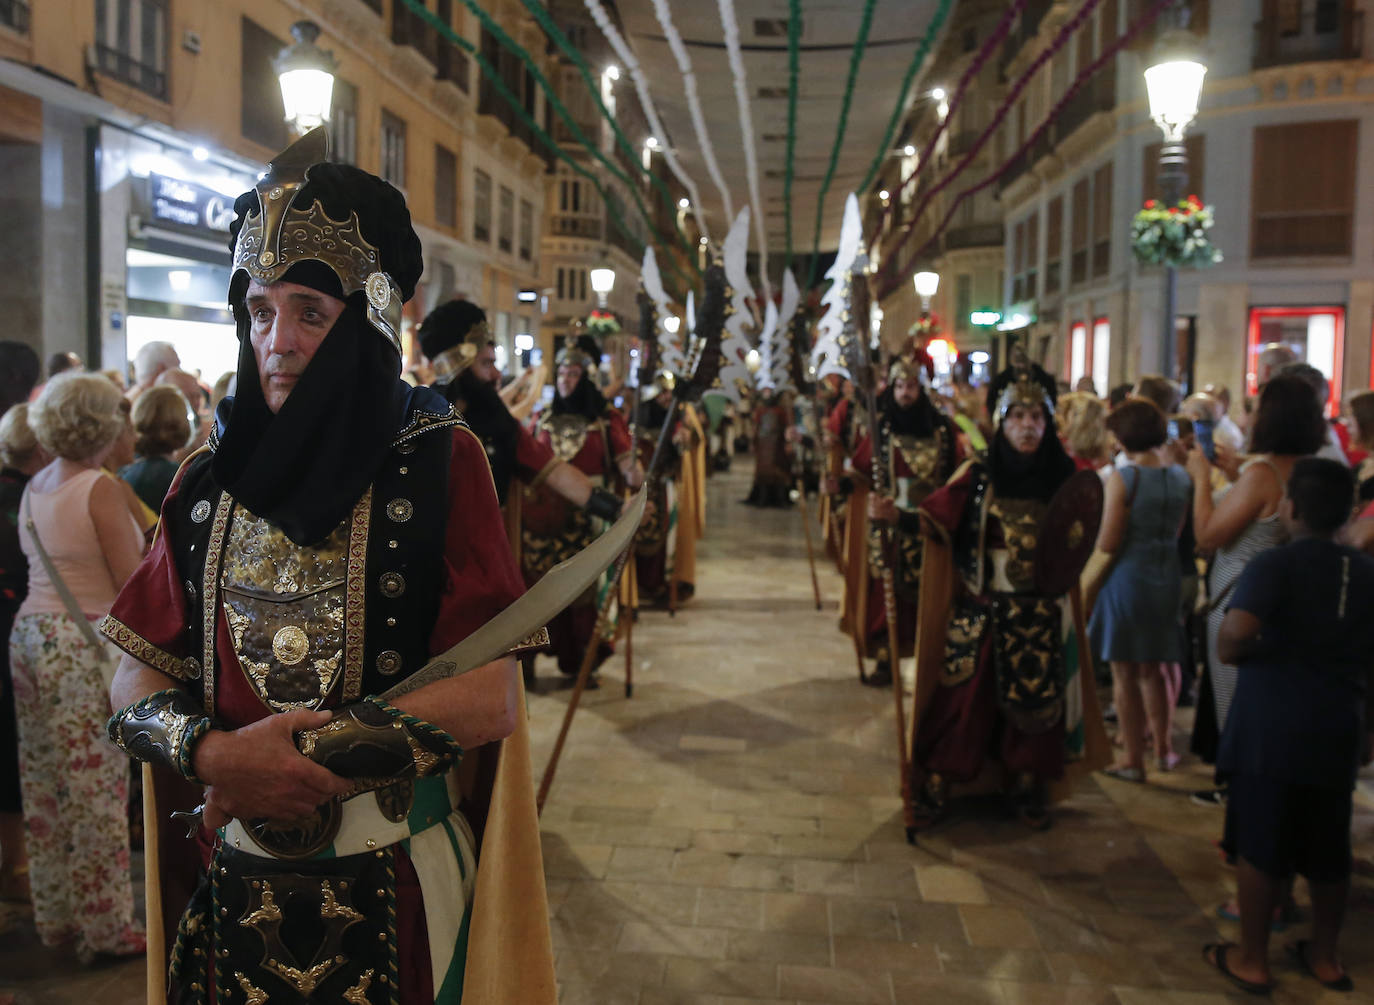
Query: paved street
(730,835)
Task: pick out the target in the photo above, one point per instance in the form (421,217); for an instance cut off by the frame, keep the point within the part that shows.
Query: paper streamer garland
(626,56)
(730,25)
(689,87)
(855,58)
(794,26)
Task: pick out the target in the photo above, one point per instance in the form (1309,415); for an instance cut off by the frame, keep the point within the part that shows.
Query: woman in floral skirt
(74,781)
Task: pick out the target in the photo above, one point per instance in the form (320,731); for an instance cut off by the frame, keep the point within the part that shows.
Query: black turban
(447,325)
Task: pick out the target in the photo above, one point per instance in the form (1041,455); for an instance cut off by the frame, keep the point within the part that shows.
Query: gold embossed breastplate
(1020,520)
(567,434)
(922,457)
(285,609)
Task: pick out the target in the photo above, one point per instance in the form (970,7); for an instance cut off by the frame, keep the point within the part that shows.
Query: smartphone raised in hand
(1202,430)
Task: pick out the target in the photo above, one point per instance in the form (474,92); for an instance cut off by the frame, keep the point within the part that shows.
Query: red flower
(1150,204)
(1195,200)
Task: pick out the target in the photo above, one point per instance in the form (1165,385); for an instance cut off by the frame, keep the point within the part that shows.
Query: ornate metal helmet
(573,355)
(1027,385)
(281,234)
(915,365)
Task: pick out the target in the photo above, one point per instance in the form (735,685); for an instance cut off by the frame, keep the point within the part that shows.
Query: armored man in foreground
(340,529)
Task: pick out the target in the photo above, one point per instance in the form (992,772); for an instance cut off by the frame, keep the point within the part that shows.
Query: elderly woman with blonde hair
(1082,419)
(163,421)
(81,543)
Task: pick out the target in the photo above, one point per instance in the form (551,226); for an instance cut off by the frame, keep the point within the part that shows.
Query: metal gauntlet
(604,504)
(374,745)
(163,727)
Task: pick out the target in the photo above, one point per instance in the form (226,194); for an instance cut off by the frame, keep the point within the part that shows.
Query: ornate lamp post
(926,285)
(603,281)
(306,74)
(1173,81)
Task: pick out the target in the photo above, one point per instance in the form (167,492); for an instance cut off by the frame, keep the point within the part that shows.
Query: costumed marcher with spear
(456,340)
(660,543)
(583,430)
(1003,677)
(917,448)
(339,530)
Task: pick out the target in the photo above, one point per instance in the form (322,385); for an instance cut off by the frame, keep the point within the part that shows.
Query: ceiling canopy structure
(790,151)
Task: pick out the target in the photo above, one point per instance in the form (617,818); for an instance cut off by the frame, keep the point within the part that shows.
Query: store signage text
(189,204)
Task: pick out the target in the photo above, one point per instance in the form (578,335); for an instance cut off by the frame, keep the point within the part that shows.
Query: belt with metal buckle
(351,827)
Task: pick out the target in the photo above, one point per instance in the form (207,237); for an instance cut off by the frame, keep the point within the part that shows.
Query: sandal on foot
(1214,953)
(1298,950)
(1125,773)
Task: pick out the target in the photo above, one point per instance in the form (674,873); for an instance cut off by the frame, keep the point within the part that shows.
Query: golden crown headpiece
(279,235)
(456,359)
(1024,389)
(908,367)
(574,356)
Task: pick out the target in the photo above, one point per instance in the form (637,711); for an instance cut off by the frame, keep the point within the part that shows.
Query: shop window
(1303,189)
(1099,351)
(343,123)
(131,43)
(262,118)
(445,187)
(526,230)
(1078,351)
(481,207)
(394,149)
(505,231)
(1315,334)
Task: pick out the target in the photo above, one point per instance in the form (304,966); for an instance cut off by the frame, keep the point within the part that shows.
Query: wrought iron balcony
(121,66)
(1313,33)
(575,226)
(973,235)
(1097,95)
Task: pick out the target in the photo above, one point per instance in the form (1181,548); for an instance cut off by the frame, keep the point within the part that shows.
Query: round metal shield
(1068,534)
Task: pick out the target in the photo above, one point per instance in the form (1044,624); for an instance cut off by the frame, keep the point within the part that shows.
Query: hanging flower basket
(925,327)
(601,323)
(1176,236)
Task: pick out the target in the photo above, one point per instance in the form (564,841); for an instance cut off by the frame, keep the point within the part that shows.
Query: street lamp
(926,285)
(306,75)
(1173,82)
(671,324)
(603,281)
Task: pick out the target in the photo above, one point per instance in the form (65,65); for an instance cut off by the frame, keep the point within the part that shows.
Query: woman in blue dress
(1135,621)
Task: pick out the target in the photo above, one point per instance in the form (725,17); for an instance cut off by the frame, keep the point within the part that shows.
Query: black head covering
(585,400)
(1015,475)
(481,406)
(447,325)
(305,467)
(921,419)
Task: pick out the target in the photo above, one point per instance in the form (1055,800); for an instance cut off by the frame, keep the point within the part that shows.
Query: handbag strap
(68,600)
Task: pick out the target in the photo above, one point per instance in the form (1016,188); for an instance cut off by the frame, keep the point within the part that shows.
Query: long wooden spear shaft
(879,446)
(703,372)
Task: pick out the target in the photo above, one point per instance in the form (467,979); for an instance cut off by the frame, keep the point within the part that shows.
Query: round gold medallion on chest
(290,645)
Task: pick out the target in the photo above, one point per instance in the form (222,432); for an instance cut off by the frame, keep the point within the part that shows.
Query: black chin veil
(305,467)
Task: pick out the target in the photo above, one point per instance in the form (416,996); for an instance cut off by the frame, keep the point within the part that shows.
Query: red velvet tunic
(482,580)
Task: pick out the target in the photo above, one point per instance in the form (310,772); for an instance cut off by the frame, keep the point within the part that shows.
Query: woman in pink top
(74,781)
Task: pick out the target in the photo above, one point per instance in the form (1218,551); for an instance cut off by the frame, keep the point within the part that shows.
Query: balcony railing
(15,14)
(973,235)
(962,143)
(409,28)
(1031,15)
(575,226)
(122,66)
(451,64)
(1321,32)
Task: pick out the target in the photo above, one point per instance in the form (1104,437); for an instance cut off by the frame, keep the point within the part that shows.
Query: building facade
(132,124)
(1284,127)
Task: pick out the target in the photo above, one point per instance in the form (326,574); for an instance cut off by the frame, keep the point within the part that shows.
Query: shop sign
(190,205)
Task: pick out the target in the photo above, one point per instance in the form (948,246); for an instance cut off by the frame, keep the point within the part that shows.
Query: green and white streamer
(626,56)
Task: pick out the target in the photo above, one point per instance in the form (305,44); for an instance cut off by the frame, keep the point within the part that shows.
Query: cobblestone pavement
(731,835)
